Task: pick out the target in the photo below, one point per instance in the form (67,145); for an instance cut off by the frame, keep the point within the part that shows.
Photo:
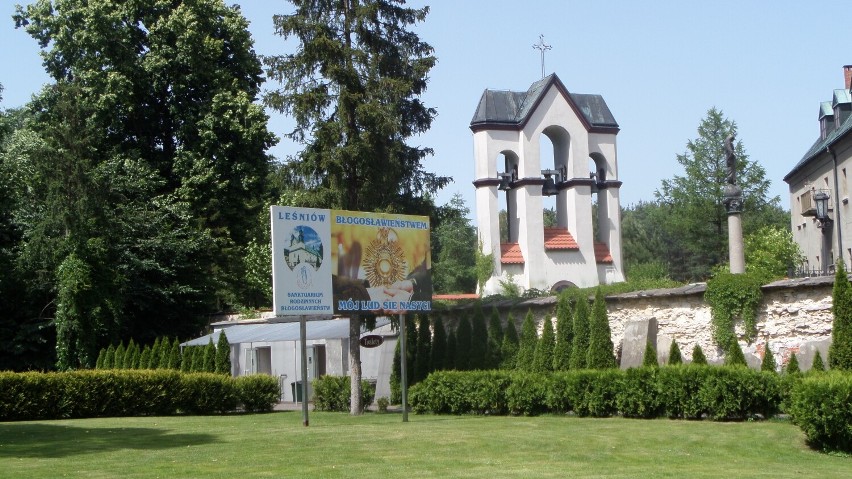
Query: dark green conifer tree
(128,355)
(818,364)
(698,356)
(118,358)
(527,344)
(410,347)
(793,365)
(564,334)
(463,344)
(145,357)
(674,354)
(109,358)
(209,365)
(600,355)
(509,346)
(165,353)
(735,356)
(99,364)
(174,355)
(223,354)
(649,359)
(478,340)
(840,351)
(198,359)
(768,363)
(438,355)
(580,347)
(395,376)
(543,355)
(423,356)
(154,358)
(495,340)
(186,358)
(450,358)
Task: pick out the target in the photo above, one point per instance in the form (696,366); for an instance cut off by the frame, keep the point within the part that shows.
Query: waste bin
(297,391)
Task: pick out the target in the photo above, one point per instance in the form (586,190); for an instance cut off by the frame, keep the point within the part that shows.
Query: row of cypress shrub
(687,391)
(119,393)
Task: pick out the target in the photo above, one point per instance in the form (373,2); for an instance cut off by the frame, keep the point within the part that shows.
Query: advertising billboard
(349,262)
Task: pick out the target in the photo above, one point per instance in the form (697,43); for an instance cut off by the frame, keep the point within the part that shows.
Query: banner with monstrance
(348,262)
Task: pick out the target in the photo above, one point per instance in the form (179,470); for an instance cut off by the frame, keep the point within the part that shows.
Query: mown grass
(337,445)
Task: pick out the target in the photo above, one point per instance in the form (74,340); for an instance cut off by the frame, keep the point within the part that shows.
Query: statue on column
(733,195)
(731,159)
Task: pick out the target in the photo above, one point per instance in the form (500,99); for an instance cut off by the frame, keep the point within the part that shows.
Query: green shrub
(840,351)
(526,393)
(207,393)
(674,354)
(649,358)
(817,365)
(258,392)
(333,393)
(736,393)
(585,392)
(822,406)
(768,363)
(638,394)
(698,356)
(793,365)
(600,353)
(382,404)
(679,387)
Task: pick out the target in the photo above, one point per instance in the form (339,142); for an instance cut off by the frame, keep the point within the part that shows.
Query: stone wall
(795,318)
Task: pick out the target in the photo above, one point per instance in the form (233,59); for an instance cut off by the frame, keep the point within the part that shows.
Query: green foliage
(454,239)
(118,361)
(771,251)
(208,364)
(580,347)
(509,288)
(99,364)
(463,344)
(564,334)
(840,351)
(674,354)
(527,344)
(109,358)
(223,355)
(495,340)
(820,406)
(382,404)
(331,393)
(735,356)
(131,358)
(689,231)
(257,392)
(484,267)
(165,353)
(543,354)
(423,355)
(450,358)
(732,297)
(685,391)
(698,355)
(174,355)
(818,365)
(478,340)
(156,352)
(510,344)
(649,359)
(768,363)
(396,376)
(600,354)
(116,393)
(145,358)
(438,353)
(793,365)
(186,358)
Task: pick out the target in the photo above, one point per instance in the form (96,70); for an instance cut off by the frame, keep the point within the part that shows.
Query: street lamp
(821,202)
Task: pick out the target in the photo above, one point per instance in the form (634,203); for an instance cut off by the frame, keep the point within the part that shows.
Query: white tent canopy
(270,332)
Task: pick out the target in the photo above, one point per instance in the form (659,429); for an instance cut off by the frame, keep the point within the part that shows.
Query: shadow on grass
(56,441)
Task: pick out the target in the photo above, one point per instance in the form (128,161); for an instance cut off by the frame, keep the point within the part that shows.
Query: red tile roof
(559,238)
(510,253)
(602,254)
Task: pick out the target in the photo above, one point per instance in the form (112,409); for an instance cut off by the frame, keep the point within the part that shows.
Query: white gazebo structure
(509,131)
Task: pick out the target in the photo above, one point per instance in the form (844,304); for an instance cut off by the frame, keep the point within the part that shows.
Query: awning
(270,332)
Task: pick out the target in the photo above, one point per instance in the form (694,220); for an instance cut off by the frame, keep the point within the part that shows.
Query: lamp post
(825,223)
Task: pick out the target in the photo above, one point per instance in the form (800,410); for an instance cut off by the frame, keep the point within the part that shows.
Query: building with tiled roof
(512,176)
(822,174)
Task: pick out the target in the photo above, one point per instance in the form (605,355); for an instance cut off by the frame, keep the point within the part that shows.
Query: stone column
(734,205)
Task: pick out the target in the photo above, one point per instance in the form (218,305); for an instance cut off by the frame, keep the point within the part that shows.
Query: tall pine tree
(495,340)
(543,356)
(840,351)
(600,336)
(527,344)
(509,347)
(353,87)
(564,334)
(463,344)
(580,347)
(478,340)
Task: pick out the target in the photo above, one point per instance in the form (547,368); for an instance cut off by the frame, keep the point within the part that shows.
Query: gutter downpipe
(837,205)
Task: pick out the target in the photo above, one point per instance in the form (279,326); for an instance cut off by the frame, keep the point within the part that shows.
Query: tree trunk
(355,406)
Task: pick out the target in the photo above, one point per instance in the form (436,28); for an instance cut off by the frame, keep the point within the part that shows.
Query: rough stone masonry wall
(794,318)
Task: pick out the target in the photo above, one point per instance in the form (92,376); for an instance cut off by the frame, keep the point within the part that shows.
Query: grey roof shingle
(503,107)
(820,145)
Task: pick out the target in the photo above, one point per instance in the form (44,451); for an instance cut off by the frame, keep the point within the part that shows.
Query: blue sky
(659,65)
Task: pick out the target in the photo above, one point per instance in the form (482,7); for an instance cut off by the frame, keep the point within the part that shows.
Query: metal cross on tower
(543,47)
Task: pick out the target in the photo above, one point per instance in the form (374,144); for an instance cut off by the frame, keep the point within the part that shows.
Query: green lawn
(381,445)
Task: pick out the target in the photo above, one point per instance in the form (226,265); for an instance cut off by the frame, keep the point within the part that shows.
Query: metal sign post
(304,338)
(403,368)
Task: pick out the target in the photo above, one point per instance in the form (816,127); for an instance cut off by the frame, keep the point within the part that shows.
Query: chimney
(847,76)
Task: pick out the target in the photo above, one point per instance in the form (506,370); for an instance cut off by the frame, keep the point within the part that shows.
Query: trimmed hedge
(118,393)
(821,404)
(332,393)
(683,391)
